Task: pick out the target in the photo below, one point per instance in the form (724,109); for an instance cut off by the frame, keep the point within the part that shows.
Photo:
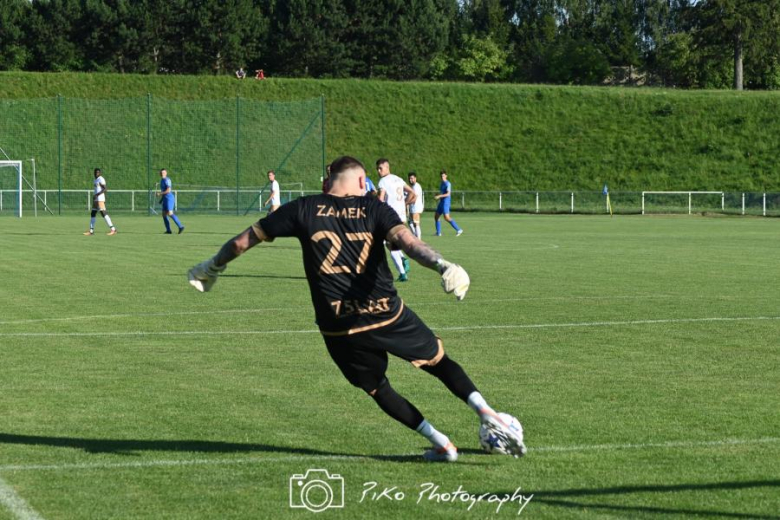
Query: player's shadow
(262,276)
(133,447)
(568,498)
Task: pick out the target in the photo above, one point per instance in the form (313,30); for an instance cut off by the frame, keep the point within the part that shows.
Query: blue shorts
(444,207)
(168,203)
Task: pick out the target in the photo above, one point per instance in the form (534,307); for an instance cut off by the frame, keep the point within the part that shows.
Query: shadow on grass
(132,447)
(566,498)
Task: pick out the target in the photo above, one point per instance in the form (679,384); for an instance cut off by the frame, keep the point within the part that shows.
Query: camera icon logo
(317,490)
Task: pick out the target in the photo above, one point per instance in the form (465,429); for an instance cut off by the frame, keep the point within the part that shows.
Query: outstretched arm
(204,275)
(416,249)
(238,245)
(454,278)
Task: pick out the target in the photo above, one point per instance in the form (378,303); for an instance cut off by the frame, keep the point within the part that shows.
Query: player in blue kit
(168,202)
(445,197)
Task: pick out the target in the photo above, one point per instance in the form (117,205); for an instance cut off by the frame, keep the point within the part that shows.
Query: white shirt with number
(276,200)
(419,203)
(102,197)
(394,190)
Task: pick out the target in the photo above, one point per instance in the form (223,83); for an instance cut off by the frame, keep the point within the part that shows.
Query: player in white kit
(99,204)
(416,208)
(275,198)
(394,191)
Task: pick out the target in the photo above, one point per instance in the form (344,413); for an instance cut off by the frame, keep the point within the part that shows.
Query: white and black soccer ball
(492,443)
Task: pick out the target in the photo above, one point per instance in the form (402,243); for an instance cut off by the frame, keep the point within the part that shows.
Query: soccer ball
(494,444)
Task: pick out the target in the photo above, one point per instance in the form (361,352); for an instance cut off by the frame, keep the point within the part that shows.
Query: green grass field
(640,353)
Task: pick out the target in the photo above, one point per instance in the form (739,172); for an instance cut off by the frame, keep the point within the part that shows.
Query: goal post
(11,183)
(675,201)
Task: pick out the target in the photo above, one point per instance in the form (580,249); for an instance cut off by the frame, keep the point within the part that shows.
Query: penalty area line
(160,463)
(15,504)
(445,328)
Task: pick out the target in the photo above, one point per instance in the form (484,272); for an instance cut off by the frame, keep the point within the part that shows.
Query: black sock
(454,378)
(394,405)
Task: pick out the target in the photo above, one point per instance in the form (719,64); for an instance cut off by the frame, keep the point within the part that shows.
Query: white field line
(18,506)
(298,308)
(154,463)
(140,333)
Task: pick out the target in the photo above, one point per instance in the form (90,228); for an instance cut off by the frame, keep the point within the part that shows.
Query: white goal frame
(18,165)
(690,197)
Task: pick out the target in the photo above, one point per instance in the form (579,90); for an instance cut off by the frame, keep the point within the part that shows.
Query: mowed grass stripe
(445,328)
(362,458)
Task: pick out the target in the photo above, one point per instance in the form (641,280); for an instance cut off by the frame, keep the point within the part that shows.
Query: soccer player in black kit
(359,314)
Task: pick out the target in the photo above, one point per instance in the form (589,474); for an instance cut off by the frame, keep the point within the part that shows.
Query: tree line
(674,43)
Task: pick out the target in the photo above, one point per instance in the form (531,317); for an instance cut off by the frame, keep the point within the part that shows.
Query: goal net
(11,188)
(660,202)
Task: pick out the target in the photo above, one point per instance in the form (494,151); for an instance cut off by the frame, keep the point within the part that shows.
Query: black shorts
(362,357)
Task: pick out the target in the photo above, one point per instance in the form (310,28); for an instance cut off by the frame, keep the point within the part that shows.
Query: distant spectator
(259,74)
(241,73)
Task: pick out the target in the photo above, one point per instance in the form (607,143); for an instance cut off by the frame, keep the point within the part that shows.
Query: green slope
(518,137)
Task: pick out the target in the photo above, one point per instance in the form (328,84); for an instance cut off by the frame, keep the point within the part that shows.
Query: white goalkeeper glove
(454,279)
(204,275)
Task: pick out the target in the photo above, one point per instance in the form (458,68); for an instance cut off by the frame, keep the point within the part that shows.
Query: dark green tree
(14,19)
(308,38)
(51,38)
(739,28)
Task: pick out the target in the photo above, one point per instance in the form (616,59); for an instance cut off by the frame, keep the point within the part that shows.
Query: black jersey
(342,239)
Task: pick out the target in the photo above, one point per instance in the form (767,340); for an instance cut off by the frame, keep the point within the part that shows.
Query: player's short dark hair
(343,164)
(381,161)
(98,170)
(443,172)
(412,173)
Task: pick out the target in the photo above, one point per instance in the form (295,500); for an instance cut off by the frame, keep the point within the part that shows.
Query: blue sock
(167,224)
(455,225)
(438,227)
(177,221)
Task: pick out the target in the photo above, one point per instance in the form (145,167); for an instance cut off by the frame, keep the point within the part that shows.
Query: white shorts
(416,208)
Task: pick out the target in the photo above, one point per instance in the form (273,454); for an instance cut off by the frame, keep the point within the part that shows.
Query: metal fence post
(764,204)
(149,153)
(59,154)
(500,202)
(743,203)
(238,167)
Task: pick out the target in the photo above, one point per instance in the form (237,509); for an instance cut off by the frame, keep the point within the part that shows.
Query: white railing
(229,200)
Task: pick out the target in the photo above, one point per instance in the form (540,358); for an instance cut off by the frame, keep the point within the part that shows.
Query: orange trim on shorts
(366,327)
(434,360)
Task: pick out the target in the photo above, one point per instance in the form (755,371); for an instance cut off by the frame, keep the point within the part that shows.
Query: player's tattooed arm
(239,245)
(416,249)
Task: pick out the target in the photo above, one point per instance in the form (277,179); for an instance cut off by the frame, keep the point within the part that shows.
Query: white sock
(108,221)
(418,231)
(437,438)
(478,403)
(398,257)
(92,223)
